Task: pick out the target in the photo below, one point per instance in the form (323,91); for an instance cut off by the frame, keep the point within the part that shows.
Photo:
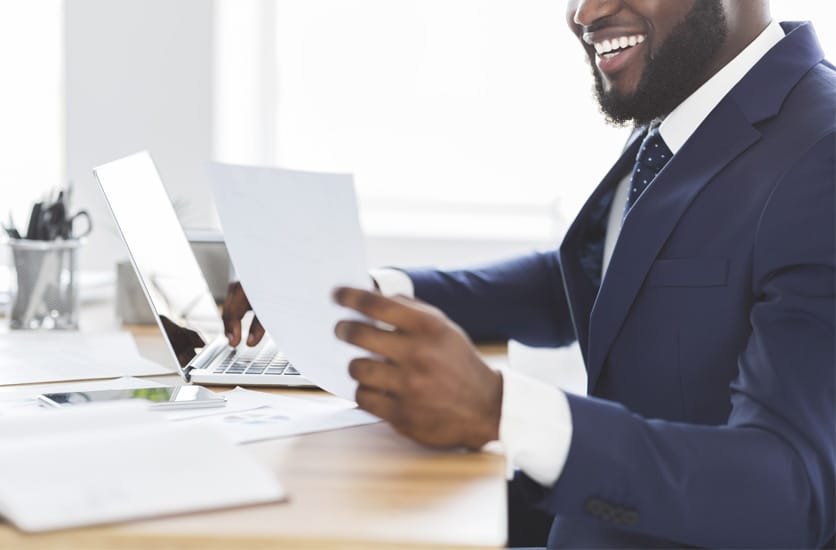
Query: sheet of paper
(31,357)
(101,463)
(248,415)
(251,416)
(293,237)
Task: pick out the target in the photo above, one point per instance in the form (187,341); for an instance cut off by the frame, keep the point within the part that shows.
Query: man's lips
(614,51)
(613,62)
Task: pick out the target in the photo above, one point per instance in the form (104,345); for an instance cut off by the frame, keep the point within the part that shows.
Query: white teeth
(619,43)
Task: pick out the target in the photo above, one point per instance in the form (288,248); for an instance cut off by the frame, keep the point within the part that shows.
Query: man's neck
(747,27)
(678,126)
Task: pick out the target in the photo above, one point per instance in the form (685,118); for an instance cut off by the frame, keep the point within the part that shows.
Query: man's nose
(589,11)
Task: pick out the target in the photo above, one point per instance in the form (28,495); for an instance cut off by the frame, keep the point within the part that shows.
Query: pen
(11,232)
(34,221)
(10,229)
(68,195)
(64,225)
(54,220)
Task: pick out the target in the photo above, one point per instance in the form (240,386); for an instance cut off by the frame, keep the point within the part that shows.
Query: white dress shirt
(535,428)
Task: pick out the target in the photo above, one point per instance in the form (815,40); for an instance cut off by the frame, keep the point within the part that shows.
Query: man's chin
(618,109)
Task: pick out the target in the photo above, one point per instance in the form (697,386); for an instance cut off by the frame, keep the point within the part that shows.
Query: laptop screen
(161,255)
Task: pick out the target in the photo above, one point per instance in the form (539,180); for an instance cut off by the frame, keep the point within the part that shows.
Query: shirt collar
(686,118)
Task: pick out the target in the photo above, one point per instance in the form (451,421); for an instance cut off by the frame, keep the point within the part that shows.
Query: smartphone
(165,398)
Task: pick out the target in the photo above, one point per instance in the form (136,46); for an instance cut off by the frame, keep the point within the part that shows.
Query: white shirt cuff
(535,428)
(392,282)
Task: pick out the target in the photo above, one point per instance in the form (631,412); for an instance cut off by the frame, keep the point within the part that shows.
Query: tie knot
(654,153)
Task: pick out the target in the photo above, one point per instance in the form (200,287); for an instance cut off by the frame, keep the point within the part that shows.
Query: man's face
(647,56)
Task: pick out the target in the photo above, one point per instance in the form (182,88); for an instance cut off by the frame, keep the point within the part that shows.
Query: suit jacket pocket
(689,272)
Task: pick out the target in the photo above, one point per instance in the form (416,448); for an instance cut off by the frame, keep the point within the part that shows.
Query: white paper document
(293,237)
(102,463)
(31,357)
(251,416)
(247,416)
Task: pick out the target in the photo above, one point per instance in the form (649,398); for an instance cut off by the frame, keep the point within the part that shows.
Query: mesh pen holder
(46,292)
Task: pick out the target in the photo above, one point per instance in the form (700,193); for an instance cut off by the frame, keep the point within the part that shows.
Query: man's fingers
(232,327)
(195,339)
(234,307)
(256,332)
(231,317)
(401,313)
(382,342)
(375,374)
(378,403)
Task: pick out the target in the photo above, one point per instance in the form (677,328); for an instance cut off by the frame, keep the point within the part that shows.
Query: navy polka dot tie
(652,157)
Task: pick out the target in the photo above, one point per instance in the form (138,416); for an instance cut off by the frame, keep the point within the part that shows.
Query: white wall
(32,114)
(139,76)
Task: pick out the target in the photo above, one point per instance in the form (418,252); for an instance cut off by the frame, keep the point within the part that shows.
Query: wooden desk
(362,487)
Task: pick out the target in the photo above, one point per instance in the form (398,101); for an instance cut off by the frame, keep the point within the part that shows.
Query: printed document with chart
(293,237)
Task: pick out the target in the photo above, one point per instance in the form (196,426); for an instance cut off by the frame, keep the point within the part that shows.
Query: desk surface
(362,487)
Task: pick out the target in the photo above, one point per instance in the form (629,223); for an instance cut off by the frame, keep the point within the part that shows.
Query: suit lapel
(722,137)
(575,261)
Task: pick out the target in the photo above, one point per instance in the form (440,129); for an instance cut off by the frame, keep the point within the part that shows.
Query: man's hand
(183,340)
(236,305)
(427,379)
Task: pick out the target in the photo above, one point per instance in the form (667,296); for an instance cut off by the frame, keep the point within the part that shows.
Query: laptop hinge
(205,358)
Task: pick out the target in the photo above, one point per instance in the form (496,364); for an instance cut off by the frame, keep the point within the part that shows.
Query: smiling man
(650,59)
(698,280)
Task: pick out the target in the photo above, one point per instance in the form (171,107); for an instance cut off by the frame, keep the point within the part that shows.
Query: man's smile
(614,51)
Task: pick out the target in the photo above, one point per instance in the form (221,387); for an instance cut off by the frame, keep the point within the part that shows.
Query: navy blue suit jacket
(709,344)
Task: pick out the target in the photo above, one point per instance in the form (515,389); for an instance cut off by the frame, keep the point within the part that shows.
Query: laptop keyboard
(261,360)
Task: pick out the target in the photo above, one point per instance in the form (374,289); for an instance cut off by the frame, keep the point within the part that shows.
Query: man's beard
(674,73)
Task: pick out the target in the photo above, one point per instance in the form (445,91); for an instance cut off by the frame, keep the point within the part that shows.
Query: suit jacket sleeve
(766,477)
(521,299)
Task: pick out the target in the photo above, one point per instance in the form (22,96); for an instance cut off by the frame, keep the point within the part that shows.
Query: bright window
(454,115)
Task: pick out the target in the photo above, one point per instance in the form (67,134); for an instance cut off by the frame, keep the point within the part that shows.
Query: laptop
(176,288)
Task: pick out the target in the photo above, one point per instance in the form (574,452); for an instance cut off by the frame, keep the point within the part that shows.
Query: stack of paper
(248,415)
(103,463)
(255,416)
(31,357)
